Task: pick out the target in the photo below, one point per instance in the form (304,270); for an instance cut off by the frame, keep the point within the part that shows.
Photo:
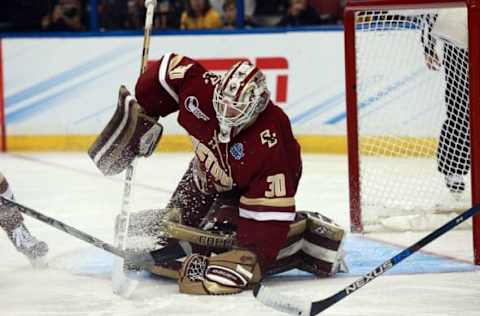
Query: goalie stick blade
(148,260)
(174,250)
(121,284)
(281,303)
(144,260)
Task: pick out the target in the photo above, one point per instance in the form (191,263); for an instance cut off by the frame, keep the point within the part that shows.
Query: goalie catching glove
(130,133)
(228,273)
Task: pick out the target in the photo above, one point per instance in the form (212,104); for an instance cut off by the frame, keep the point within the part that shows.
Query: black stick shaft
(301,308)
(63,227)
(173,251)
(321,305)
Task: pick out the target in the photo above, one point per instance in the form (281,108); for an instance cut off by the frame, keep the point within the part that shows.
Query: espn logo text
(274,68)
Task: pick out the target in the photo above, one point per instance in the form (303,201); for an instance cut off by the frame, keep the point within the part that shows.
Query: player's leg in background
(12,223)
(453,152)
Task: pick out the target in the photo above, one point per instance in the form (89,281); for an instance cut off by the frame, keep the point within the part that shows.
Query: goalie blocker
(130,133)
(219,266)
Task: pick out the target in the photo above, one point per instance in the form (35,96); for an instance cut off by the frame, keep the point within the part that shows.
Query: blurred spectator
(200,15)
(248,12)
(130,14)
(66,15)
(268,13)
(342,4)
(136,12)
(329,11)
(218,5)
(249,7)
(272,7)
(5,23)
(230,14)
(230,17)
(167,15)
(112,14)
(23,15)
(299,14)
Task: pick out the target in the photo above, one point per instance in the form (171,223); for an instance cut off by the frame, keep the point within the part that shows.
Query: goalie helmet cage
(3,136)
(396,107)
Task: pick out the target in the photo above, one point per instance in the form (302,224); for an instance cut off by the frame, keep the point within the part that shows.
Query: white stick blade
(121,284)
(282,303)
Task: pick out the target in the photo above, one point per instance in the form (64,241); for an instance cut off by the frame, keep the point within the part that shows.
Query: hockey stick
(121,284)
(287,305)
(145,260)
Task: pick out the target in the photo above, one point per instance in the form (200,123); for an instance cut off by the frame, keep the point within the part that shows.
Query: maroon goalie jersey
(262,162)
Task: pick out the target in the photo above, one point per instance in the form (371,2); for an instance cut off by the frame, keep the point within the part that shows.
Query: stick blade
(121,284)
(280,302)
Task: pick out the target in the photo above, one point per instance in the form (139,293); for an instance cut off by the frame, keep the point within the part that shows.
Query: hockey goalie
(235,204)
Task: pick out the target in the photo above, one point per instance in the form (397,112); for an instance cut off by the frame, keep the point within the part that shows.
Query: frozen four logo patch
(192,105)
(237,151)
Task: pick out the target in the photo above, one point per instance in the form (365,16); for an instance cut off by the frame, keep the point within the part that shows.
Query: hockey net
(403,142)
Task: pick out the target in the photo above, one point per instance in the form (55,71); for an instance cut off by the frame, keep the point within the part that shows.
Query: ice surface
(77,282)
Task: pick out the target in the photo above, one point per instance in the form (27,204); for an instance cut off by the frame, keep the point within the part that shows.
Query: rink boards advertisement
(60,92)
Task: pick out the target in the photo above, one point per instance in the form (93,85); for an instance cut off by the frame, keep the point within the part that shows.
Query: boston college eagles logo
(192,105)
(268,138)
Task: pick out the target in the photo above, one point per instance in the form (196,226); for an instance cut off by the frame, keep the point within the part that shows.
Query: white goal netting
(413,125)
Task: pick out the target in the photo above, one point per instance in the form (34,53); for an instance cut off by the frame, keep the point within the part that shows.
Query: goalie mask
(239,98)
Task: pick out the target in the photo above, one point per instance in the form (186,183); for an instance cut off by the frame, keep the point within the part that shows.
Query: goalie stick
(304,308)
(145,260)
(121,284)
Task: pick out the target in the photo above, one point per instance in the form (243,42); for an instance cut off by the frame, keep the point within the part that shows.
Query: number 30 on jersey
(276,186)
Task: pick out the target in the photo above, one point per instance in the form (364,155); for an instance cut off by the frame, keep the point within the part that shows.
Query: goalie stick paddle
(299,308)
(121,284)
(170,252)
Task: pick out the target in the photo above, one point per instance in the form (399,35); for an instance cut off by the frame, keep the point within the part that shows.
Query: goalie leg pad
(289,257)
(322,252)
(146,234)
(314,245)
(227,273)
(128,134)
(151,230)
(159,225)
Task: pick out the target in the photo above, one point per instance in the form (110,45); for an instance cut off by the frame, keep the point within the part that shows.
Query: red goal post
(3,136)
(356,113)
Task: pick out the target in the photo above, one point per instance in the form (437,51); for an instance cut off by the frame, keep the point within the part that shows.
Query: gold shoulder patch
(176,71)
